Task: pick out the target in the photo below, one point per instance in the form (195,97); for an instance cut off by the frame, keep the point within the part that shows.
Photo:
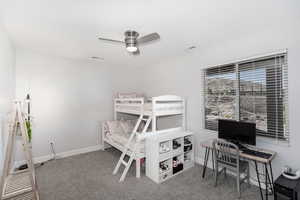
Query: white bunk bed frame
(166,105)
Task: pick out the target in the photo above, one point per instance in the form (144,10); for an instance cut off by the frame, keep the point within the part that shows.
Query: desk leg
(266,181)
(270,182)
(272,179)
(207,150)
(213,160)
(257,174)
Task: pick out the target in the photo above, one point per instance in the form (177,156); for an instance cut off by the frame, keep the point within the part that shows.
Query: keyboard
(251,152)
(256,153)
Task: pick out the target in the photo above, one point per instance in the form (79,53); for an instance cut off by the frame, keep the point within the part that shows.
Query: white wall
(69,99)
(127,79)
(7,67)
(182,76)
(7,83)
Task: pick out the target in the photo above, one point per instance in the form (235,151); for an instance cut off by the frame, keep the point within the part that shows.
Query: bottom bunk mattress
(120,131)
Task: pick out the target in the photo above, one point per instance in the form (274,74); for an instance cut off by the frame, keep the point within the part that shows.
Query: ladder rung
(124,162)
(145,119)
(19,171)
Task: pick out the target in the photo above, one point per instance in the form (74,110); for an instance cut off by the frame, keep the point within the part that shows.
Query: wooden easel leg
(25,177)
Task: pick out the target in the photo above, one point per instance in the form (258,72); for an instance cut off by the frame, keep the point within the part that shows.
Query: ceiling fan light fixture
(132,41)
(131,48)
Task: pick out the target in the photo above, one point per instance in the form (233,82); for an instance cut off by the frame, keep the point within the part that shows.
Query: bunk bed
(116,133)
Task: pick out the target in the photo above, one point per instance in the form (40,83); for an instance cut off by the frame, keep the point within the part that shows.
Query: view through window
(253,91)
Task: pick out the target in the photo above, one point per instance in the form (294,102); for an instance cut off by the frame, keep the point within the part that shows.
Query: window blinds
(253,90)
(220,95)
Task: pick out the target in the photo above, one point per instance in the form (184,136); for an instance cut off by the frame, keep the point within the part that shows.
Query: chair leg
(238,184)
(216,173)
(248,176)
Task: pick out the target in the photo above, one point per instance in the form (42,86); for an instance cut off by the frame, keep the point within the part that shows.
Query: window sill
(272,141)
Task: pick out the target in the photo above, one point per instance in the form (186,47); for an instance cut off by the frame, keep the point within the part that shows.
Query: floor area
(89,177)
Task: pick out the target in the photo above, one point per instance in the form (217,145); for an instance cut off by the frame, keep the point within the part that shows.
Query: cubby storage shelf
(176,154)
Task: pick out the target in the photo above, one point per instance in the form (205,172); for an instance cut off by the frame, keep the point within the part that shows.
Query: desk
(269,181)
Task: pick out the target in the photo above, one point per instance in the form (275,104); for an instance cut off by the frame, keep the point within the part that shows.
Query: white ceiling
(70,28)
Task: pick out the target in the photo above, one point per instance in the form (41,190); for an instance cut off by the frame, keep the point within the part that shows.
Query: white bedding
(119,132)
(121,140)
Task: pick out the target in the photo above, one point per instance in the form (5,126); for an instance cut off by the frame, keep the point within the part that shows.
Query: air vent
(191,48)
(96,58)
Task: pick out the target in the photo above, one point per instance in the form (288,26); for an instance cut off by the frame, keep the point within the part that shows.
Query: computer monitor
(235,131)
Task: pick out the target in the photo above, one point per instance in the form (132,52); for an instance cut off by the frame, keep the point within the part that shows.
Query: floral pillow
(115,127)
(128,126)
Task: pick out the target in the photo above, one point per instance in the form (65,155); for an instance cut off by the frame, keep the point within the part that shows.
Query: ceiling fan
(132,40)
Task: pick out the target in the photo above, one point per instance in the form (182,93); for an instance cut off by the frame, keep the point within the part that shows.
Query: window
(253,90)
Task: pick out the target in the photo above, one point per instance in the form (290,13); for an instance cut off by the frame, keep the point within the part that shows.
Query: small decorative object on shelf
(164,147)
(28,119)
(188,146)
(29,131)
(174,159)
(164,166)
(187,157)
(176,143)
(187,141)
(177,165)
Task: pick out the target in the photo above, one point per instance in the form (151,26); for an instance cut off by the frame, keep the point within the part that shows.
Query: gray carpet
(89,177)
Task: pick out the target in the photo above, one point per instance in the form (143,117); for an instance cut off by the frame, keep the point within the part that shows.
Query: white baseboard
(79,151)
(65,154)
(200,161)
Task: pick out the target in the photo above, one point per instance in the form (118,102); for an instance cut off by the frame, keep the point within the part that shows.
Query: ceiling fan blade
(111,40)
(148,38)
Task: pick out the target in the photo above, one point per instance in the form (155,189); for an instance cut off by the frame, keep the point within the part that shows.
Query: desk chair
(227,156)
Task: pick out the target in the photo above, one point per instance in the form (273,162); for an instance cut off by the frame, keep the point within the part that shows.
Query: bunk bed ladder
(20,184)
(131,153)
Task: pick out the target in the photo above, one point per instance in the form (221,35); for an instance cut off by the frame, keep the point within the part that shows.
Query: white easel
(19,185)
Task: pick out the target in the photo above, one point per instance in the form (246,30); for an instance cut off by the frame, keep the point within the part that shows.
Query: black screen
(242,132)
